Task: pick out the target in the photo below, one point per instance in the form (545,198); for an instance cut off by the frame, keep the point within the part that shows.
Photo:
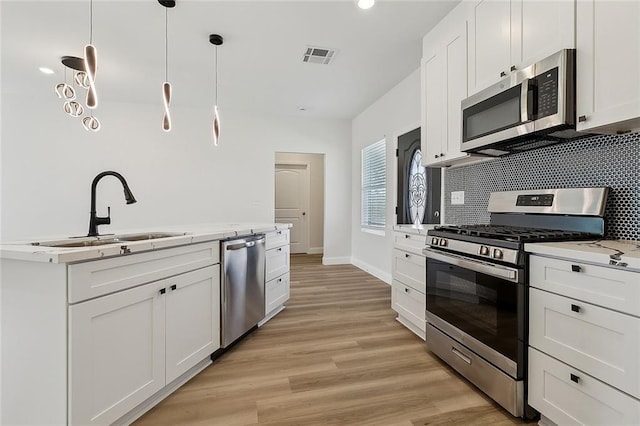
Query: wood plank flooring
(334,356)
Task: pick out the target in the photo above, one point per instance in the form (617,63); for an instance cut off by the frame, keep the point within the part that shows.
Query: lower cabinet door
(116,353)
(193,319)
(276,292)
(568,396)
(409,303)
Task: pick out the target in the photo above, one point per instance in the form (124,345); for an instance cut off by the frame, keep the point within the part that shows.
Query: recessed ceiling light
(46,70)
(365,4)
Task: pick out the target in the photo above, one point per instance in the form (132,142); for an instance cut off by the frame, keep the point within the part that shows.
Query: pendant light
(84,77)
(216,40)
(166,86)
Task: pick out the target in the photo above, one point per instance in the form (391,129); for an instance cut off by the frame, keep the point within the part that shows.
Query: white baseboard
(378,273)
(315,250)
(336,260)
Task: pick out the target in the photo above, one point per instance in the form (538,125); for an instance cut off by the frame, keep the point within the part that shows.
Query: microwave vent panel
(318,55)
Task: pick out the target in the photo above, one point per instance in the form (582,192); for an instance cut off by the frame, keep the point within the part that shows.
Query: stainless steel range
(477,309)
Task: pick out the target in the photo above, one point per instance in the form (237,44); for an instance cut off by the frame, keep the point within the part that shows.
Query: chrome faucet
(94,220)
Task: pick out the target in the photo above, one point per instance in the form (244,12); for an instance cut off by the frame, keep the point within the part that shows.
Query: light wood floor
(335,356)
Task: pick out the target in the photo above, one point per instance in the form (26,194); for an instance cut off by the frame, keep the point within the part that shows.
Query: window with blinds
(374,185)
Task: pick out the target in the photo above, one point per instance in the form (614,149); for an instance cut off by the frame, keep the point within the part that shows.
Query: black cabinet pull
(575,378)
(407,236)
(503,74)
(173,287)
(279,248)
(576,268)
(436,156)
(163,290)
(406,290)
(513,67)
(582,118)
(575,308)
(406,255)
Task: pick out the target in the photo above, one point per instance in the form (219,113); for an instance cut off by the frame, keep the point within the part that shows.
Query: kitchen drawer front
(608,287)
(276,292)
(410,269)
(587,402)
(277,262)
(601,342)
(409,303)
(409,242)
(276,239)
(92,279)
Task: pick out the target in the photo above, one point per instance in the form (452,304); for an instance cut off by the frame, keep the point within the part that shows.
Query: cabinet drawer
(608,287)
(410,269)
(603,343)
(409,303)
(554,392)
(277,262)
(91,279)
(409,242)
(276,292)
(276,239)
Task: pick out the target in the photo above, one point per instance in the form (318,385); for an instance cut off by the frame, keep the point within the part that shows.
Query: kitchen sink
(105,240)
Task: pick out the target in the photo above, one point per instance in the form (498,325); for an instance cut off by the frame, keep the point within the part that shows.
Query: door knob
(304,213)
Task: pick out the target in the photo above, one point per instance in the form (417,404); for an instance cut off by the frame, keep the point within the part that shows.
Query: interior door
(292,202)
(418,187)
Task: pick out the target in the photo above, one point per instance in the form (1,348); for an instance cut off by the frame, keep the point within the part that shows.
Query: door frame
(394,171)
(307,201)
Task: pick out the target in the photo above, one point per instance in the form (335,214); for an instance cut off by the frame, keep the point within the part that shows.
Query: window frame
(373,188)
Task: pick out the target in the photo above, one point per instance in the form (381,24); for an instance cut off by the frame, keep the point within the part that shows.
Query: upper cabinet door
(455,62)
(542,29)
(489,43)
(506,35)
(432,106)
(608,65)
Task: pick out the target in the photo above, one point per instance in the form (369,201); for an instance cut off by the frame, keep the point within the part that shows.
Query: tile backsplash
(609,160)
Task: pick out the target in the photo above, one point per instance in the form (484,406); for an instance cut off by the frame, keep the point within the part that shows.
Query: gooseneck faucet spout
(94,220)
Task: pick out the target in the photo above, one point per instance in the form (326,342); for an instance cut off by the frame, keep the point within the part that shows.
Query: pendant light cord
(216,80)
(91,22)
(166,44)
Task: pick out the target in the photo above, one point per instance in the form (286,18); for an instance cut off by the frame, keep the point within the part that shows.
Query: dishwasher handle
(245,244)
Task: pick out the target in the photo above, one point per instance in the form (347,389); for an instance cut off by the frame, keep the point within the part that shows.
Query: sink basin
(148,236)
(101,241)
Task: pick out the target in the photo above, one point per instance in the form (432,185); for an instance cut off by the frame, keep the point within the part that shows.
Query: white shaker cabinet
(608,66)
(584,342)
(277,263)
(408,292)
(507,35)
(444,86)
(102,341)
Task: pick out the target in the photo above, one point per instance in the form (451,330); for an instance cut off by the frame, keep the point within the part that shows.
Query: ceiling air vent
(318,55)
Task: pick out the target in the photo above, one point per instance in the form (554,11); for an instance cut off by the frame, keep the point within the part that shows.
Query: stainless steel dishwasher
(242,286)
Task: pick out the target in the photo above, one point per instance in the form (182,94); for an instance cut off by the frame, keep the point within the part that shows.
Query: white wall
(48,162)
(315,215)
(395,113)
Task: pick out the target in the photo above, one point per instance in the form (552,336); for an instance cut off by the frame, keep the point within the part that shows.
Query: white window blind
(374,185)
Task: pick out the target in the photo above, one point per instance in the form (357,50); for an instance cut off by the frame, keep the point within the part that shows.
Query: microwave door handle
(524,100)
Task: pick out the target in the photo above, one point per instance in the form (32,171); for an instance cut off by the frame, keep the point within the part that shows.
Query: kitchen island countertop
(187,234)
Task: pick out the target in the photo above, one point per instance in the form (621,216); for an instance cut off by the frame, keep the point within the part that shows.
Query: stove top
(512,233)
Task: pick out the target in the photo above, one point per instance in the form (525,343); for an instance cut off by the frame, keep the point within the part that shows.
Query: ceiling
(260,63)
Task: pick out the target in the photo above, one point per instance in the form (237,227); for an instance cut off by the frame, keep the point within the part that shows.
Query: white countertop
(412,229)
(615,253)
(190,234)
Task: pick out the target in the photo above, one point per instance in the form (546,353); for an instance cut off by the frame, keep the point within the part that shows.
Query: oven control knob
(497,254)
(484,251)
(434,241)
(443,242)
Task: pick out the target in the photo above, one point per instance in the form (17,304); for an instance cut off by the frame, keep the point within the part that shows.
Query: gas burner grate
(514,233)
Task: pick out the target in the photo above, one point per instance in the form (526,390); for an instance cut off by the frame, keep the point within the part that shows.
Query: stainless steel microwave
(534,107)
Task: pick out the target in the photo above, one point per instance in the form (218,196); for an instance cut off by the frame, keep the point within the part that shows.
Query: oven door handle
(499,271)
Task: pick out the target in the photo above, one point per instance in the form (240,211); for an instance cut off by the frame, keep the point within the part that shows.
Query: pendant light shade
(90,66)
(216,40)
(166,86)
